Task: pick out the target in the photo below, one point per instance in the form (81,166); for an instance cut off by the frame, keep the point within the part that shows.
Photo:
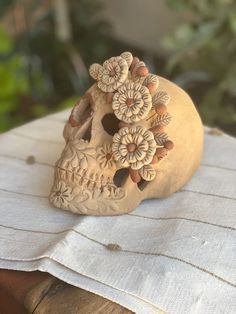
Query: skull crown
(115,140)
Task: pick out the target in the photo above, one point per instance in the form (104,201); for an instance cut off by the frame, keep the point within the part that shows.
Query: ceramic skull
(132,136)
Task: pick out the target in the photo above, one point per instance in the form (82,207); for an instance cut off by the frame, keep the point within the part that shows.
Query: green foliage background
(203,58)
(37,74)
(13,82)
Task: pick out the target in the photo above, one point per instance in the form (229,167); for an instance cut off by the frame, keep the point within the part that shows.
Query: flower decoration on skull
(111,75)
(105,156)
(61,194)
(134,146)
(132,92)
(132,102)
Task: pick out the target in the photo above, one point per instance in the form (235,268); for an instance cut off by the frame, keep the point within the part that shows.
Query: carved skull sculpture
(132,136)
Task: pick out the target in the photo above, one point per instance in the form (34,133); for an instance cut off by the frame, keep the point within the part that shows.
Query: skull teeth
(89,180)
(80,171)
(98,184)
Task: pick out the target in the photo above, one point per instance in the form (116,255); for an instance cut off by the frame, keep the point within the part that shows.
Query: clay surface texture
(132,136)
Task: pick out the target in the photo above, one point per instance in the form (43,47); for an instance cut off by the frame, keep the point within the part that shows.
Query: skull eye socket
(81,118)
(110,123)
(120,177)
(88,132)
(82,111)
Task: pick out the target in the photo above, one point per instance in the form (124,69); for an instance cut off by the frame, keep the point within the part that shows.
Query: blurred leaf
(68,103)
(6,44)
(37,74)
(177,5)
(228,84)
(4,5)
(211,105)
(206,44)
(7,106)
(232,21)
(39,110)
(187,41)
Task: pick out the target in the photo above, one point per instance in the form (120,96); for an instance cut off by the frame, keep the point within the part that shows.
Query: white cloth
(178,255)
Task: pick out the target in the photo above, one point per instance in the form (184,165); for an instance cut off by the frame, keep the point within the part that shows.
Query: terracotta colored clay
(160,109)
(169,145)
(157,128)
(142,71)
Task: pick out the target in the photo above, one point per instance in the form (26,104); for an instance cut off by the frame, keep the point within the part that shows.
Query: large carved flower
(111,75)
(104,156)
(61,194)
(132,102)
(134,146)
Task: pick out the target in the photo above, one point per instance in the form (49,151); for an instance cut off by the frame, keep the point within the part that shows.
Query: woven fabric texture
(176,255)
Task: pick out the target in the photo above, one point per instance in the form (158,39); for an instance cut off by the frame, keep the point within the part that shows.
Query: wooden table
(41,293)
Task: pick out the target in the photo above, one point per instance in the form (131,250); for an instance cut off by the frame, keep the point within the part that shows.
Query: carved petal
(89,151)
(134,62)
(135,176)
(161,138)
(128,57)
(84,163)
(152,82)
(94,70)
(147,173)
(75,162)
(163,119)
(140,69)
(161,97)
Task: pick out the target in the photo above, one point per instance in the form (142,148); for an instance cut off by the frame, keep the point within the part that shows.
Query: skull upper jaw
(87,194)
